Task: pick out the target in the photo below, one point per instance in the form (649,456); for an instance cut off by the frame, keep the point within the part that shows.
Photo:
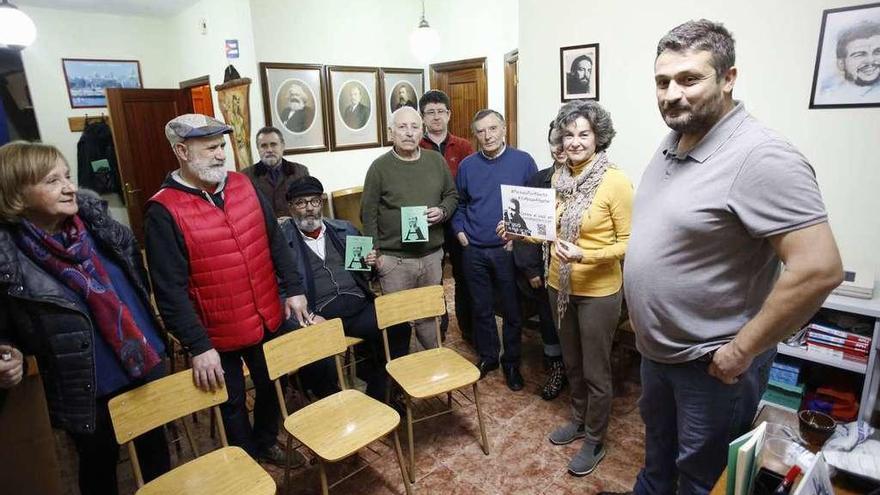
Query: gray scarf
(575,195)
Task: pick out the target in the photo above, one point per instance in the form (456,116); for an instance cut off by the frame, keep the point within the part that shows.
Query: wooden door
(199,91)
(511,80)
(138,118)
(465,83)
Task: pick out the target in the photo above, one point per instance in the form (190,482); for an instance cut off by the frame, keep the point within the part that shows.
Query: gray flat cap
(194,125)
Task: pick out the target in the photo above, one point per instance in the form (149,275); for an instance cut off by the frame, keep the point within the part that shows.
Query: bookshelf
(864,307)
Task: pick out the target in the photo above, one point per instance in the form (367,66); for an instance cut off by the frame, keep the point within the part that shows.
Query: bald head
(405,130)
(404,113)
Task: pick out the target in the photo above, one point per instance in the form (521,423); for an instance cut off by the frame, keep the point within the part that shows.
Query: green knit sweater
(392,183)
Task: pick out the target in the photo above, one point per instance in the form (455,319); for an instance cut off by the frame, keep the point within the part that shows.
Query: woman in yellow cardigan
(593,212)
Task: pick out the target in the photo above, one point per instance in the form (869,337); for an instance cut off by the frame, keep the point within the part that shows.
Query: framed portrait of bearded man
(294,101)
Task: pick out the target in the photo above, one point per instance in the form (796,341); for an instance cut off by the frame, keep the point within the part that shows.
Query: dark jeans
(462,295)
(490,272)
(99,452)
(256,439)
(690,418)
(359,320)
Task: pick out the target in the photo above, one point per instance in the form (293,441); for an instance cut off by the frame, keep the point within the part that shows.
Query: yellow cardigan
(604,235)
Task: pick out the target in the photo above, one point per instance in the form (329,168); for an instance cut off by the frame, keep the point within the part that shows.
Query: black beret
(306,186)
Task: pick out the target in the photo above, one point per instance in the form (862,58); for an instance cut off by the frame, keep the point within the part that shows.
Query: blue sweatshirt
(479,181)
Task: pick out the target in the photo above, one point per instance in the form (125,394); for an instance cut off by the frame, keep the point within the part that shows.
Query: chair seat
(337,426)
(227,470)
(432,372)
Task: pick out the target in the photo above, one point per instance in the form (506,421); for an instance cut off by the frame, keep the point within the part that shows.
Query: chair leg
(287,464)
(324,489)
(190,437)
(485,443)
(406,483)
(448,400)
(409,435)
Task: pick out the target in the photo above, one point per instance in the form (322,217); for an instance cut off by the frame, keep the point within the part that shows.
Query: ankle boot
(555,382)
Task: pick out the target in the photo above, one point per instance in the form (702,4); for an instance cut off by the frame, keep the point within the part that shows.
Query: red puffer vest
(232,279)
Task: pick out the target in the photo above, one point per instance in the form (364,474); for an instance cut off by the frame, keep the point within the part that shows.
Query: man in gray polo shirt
(722,202)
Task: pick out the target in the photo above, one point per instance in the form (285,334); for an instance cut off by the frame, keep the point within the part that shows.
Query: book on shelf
(839,341)
(837,332)
(741,465)
(837,353)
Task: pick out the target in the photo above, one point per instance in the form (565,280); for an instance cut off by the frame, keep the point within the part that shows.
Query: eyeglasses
(434,113)
(301,203)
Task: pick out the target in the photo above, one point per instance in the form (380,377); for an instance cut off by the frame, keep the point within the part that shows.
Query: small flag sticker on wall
(231,48)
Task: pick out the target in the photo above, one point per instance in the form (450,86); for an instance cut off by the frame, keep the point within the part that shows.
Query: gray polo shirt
(699,264)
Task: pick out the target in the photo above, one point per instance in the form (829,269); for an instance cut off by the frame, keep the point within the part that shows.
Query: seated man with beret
(332,291)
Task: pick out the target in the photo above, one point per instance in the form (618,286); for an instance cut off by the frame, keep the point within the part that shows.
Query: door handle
(129,190)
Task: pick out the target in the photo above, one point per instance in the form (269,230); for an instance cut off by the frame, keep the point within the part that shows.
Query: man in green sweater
(408,176)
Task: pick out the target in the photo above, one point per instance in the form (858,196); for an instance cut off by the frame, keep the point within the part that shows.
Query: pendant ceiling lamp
(17,30)
(424,41)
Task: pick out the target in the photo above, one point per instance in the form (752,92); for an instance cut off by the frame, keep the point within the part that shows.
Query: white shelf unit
(864,307)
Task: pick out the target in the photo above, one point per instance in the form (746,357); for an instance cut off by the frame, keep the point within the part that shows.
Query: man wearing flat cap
(223,276)
(332,291)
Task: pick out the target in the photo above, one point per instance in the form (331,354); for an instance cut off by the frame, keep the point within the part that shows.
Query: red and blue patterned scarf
(78,267)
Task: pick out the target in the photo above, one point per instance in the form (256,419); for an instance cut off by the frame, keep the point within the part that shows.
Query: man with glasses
(333,291)
(434,106)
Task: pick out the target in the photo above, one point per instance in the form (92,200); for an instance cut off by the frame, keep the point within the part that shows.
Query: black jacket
(169,267)
(96,143)
(334,233)
(37,317)
(527,256)
(277,194)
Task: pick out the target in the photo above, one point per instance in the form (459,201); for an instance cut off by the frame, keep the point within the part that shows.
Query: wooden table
(773,414)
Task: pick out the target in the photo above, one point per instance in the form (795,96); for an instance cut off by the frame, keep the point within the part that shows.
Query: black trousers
(359,320)
(463,311)
(99,452)
(256,439)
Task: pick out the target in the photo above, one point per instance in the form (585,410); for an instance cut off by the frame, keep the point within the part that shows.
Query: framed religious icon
(354,107)
(847,72)
(579,72)
(87,79)
(294,102)
(399,87)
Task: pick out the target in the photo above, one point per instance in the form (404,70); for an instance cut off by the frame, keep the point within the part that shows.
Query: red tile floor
(449,459)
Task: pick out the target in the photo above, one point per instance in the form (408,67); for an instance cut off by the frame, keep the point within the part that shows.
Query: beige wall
(776,49)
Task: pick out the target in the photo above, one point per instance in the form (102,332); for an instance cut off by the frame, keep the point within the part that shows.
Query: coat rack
(77,124)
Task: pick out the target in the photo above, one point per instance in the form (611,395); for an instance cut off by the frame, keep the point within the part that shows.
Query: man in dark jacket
(273,174)
(218,263)
(333,291)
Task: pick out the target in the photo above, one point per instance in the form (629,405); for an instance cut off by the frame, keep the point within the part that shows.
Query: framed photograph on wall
(86,79)
(847,72)
(399,87)
(579,72)
(354,104)
(294,102)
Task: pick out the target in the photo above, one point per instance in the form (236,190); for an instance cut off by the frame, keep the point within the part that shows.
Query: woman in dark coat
(73,293)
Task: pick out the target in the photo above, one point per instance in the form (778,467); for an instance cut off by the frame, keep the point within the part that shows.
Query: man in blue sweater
(487,260)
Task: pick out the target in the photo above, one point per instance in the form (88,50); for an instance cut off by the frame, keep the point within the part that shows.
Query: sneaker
(567,433)
(586,460)
(276,455)
(555,382)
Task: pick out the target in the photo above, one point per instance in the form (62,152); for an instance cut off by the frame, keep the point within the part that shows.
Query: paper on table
(816,481)
(863,460)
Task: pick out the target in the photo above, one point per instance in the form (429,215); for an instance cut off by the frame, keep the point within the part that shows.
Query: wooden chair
(226,470)
(337,426)
(347,205)
(428,373)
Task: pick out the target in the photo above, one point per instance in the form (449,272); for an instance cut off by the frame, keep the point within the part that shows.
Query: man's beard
(694,119)
(309,223)
(858,81)
(272,160)
(208,173)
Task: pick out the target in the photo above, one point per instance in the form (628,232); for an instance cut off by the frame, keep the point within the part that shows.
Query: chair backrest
(159,402)
(347,205)
(292,351)
(410,305)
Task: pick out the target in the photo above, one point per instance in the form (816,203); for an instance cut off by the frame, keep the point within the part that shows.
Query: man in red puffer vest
(223,275)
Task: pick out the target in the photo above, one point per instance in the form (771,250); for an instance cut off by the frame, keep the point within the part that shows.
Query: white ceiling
(155,8)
